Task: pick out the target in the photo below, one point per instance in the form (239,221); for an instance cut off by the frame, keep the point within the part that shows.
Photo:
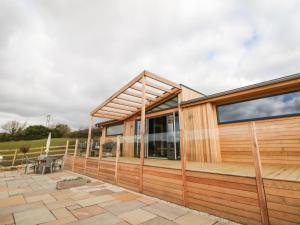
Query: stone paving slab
(95,200)
(137,216)
(165,210)
(123,207)
(194,219)
(103,219)
(34,216)
(33,199)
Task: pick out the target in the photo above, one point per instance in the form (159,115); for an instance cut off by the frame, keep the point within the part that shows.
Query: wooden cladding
(231,197)
(201,133)
(283,200)
(278,141)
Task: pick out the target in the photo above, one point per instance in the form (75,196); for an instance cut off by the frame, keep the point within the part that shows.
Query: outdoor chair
(58,163)
(48,163)
(30,164)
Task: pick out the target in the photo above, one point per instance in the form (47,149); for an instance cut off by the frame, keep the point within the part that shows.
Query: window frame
(258,118)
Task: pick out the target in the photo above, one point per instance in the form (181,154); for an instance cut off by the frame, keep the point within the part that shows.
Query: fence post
(117,158)
(14,159)
(67,148)
(258,174)
(75,152)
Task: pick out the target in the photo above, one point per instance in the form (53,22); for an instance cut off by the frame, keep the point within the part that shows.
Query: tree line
(15,131)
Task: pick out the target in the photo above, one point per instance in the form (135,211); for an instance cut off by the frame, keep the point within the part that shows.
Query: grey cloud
(65,57)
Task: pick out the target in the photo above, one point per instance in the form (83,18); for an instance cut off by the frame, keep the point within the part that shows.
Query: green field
(34,143)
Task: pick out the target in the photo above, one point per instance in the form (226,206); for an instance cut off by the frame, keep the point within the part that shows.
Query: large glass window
(115,130)
(267,107)
(172,103)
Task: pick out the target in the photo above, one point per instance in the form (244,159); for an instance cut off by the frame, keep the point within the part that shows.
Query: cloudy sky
(65,57)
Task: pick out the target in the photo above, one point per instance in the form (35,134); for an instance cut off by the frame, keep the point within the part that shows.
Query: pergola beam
(109,109)
(138,103)
(147,91)
(138,95)
(157,86)
(122,107)
(125,103)
(161,79)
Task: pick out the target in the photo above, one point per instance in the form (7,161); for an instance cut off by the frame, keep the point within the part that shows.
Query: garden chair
(30,164)
(48,163)
(59,163)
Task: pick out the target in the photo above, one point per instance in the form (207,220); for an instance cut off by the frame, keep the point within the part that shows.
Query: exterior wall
(278,141)
(201,133)
(188,94)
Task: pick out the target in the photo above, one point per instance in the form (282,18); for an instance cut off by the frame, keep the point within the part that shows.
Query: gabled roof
(128,100)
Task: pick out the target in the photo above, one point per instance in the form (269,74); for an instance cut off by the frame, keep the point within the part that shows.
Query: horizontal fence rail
(14,157)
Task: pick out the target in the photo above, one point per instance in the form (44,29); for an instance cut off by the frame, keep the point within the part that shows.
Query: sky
(65,57)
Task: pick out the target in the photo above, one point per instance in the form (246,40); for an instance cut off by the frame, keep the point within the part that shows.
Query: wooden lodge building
(235,154)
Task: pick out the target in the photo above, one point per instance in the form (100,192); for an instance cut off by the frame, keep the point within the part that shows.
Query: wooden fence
(14,158)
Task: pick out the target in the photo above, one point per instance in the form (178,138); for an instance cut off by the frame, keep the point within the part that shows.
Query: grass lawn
(34,143)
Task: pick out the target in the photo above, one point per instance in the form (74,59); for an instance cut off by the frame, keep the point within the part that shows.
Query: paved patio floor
(33,199)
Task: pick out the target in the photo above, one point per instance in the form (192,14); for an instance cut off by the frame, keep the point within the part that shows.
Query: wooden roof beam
(108,109)
(138,95)
(121,106)
(101,115)
(126,103)
(111,113)
(161,79)
(139,102)
(147,91)
(157,86)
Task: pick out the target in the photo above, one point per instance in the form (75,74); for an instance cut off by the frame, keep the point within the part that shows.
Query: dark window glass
(115,130)
(273,106)
(166,105)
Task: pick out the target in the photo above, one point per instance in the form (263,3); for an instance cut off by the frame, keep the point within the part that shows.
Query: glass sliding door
(162,137)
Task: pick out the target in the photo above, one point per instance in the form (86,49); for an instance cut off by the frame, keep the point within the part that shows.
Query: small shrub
(24,149)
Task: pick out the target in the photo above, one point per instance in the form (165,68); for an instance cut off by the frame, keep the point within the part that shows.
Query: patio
(33,199)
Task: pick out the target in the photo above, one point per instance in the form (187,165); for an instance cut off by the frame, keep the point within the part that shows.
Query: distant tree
(36,132)
(83,133)
(61,130)
(13,127)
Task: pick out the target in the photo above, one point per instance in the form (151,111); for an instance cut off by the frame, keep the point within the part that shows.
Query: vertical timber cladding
(128,138)
(231,197)
(283,200)
(201,133)
(278,141)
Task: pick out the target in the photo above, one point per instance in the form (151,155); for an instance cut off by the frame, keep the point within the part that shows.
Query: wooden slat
(138,95)
(157,86)
(121,106)
(126,103)
(135,101)
(109,116)
(135,87)
(109,109)
(142,133)
(161,79)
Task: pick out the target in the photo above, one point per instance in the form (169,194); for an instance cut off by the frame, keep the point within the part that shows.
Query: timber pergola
(144,91)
